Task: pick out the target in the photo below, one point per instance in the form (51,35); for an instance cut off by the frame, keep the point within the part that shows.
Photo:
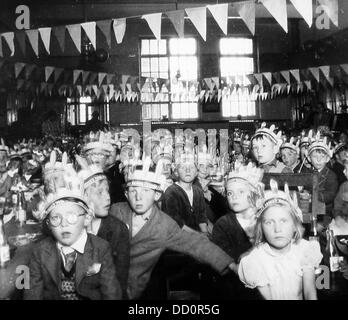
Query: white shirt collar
(78,245)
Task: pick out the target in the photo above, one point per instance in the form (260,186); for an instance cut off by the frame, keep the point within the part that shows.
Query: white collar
(145,216)
(78,245)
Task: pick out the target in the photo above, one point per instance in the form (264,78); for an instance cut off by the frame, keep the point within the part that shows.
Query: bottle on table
(313,233)
(335,259)
(4,247)
(21,213)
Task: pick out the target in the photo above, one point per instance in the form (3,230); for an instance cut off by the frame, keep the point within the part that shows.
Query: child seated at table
(282,264)
(71,264)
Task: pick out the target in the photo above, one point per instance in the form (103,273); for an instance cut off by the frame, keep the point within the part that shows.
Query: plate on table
(23,239)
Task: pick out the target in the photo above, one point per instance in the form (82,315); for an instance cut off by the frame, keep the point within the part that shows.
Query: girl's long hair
(299,229)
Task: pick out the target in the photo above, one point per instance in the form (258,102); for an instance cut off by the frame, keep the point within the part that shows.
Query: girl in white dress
(282,264)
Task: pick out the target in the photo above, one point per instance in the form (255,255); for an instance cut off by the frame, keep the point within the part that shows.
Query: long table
(20,256)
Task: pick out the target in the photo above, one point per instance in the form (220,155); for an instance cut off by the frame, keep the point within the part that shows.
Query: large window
(80,111)
(169,66)
(236,61)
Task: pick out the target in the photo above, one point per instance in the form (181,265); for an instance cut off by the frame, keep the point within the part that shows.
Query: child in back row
(282,264)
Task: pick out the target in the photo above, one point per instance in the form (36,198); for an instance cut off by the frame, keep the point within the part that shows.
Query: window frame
(168,55)
(254,55)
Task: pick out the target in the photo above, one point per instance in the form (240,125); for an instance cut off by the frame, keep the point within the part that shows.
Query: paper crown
(53,168)
(162,151)
(14,153)
(319,143)
(292,144)
(249,173)
(305,139)
(72,190)
(112,137)
(89,173)
(269,132)
(339,147)
(4,147)
(98,140)
(237,136)
(130,155)
(274,196)
(145,178)
(218,172)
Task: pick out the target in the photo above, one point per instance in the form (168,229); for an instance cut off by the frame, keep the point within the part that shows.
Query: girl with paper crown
(265,145)
(282,264)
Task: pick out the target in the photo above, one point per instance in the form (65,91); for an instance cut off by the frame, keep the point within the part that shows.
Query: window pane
(163,64)
(154,111)
(231,66)
(145,65)
(154,47)
(183,46)
(238,103)
(183,68)
(82,113)
(162,46)
(145,47)
(184,110)
(236,46)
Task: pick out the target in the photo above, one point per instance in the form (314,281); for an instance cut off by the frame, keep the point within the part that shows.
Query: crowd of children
(110,212)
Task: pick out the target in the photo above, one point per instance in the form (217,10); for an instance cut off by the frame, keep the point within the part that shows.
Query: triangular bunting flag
(101,77)
(177,18)
(315,73)
(105,27)
(246,10)
(89,28)
(57,73)
(33,36)
(286,75)
(43,86)
(93,77)
(154,20)
(268,76)
(198,17)
(75,34)
(296,74)
(220,14)
(326,72)
(59,32)
(258,77)
(29,68)
(20,35)
(305,9)
(79,90)
(119,26)
(344,67)
(9,37)
(95,89)
(332,10)
(48,72)
(76,74)
(308,84)
(19,66)
(45,34)
(85,75)
(109,78)
(277,8)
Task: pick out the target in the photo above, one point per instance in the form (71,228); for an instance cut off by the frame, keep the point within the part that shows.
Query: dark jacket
(116,233)
(230,236)
(328,186)
(45,272)
(176,204)
(158,234)
(338,169)
(116,181)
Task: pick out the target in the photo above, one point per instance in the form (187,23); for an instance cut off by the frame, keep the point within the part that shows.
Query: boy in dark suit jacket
(71,264)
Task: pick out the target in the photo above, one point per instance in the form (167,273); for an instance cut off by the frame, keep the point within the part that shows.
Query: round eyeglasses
(56,219)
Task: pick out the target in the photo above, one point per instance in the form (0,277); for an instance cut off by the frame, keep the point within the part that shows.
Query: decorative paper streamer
(119,26)
(33,36)
(277,8)
(220,14)
(178,20)
(89,28)
(198,17)
(246,10)
(75,34)
(154,20)
(305,8)
(45,34)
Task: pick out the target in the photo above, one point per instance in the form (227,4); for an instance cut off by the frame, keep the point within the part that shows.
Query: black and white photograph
(175,155)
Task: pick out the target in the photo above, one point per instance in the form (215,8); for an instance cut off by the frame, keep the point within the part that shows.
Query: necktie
(69,260)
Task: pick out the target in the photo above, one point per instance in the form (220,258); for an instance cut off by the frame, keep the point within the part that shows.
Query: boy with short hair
(265,144)
(71,264)
(153,231)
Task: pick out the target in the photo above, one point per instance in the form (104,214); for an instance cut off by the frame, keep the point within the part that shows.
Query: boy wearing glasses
(71,264)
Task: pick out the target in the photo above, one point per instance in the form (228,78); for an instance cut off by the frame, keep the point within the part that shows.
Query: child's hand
(234,267)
